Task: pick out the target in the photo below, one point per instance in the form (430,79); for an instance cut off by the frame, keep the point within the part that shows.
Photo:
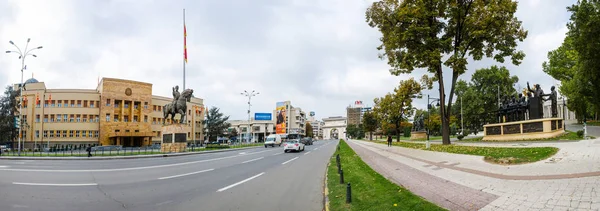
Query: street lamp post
(249,95)
(22,55)
(430,100)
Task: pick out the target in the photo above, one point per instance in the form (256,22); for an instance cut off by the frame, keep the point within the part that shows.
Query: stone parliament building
(118,112)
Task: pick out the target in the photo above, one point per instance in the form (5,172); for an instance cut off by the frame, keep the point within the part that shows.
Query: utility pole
(249,95)
(462,120)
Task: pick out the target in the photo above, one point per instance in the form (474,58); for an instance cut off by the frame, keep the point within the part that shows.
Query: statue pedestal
(174,138)
(418,135)
(524,130)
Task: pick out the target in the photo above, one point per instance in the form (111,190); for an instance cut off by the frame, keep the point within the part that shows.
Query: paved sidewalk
(528,189)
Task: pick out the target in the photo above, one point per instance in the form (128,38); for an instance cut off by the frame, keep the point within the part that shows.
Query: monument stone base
(174,138)
(524,130)
(418,135)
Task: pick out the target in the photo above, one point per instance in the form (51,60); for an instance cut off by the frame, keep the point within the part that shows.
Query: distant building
(256,131)
(291,120)
(118,112)
(355,112)
(334,127)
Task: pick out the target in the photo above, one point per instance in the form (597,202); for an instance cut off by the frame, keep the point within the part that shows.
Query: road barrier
(341,173)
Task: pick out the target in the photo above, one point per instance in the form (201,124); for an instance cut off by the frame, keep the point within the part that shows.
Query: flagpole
(184,48)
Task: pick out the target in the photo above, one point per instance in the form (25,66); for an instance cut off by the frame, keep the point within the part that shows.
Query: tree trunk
(397,132)
(445,120)
(370,136)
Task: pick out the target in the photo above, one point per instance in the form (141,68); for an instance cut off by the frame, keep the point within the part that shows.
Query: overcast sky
(319,54)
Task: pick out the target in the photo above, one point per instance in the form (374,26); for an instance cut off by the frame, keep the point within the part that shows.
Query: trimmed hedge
(217,146)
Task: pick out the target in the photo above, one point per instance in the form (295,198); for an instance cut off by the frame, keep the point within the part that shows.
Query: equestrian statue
(179,104)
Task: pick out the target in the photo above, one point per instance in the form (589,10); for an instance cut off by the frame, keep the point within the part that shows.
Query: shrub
(460,136)
(580,133)
(407,131)
(217,146)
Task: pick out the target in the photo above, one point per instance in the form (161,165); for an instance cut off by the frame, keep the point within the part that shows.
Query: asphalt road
(591,130)
(253,179)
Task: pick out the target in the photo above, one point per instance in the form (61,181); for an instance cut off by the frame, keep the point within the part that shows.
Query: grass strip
(499,155)
(370,190)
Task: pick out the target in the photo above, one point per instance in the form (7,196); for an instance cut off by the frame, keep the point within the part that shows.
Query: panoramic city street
(252,179)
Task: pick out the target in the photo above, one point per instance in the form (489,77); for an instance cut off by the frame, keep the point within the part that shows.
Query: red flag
(184,43)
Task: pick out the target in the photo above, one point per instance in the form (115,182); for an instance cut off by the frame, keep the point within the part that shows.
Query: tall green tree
(575,62)
(309,130)
(234,133)
(435,33)
(369,123)
(8,111)
(395,107)
(215,124)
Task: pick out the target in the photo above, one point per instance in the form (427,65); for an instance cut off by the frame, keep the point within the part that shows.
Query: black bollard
(341,176)
(339,165)
(348,194)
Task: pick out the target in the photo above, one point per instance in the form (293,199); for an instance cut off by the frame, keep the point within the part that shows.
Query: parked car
(272,140)
(293,145)
(307,141)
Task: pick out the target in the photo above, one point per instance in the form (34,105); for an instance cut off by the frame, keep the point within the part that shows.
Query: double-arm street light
(430,101)
(249,95)
(22,55)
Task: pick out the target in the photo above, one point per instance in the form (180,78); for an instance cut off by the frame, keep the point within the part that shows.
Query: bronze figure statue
(178,106)
(552,97)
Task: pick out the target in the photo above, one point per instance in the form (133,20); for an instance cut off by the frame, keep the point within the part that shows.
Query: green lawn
(370,190)
(500,155)
(569,136)
(593,123)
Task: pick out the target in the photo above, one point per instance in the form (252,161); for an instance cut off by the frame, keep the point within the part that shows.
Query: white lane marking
(315,149)
(242,153)
(20,206)
(132,168)
(240,182)
(3,166)
(248,161)
(165,202)
(278,153)
(307,152)
(181,175)
(289,161)
(53,184)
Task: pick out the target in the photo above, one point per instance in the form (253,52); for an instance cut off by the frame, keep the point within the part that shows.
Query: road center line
(248,161)
(132,168)
(307,152)
(240,182)
(3,166)
(278,153)
(54,184)
(181,175)
(289,161)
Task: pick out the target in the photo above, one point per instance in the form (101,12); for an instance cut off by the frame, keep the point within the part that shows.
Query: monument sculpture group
(174,136)
(522,117)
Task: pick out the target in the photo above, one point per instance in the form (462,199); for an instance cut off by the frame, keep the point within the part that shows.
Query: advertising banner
(281,114)
(263,116)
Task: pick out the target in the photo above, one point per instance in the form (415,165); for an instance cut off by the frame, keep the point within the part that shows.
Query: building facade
(295,119)
(334,127)
(117,112)
(256,131)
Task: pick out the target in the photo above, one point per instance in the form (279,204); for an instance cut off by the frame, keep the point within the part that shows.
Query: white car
(294,145)
(272,140)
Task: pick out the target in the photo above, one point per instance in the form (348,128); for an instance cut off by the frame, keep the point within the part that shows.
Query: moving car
(272,140)
(307,141)
(293,145)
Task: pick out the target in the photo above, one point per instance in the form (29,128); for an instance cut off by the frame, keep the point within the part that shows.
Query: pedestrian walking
(89,151)
(389,140)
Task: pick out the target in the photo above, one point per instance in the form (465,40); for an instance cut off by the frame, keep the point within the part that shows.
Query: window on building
(127,131)
(137,131)
(37,118)
(72,118)
(45,104)
(64,135)
(45,117)
(52,134)
(154,108)
(107,102)
(153,121)
(78,117)
(71,133)
(79,103)
(145,118)
(85,117)
(159,108)
(37,133)
(83,134)
(58,134)
(135,118)
(135,106)
(52,103)
(66,103)
(126,118)
(25,104)
(65,118)
(189,134)
(24,132)
(72,103)
(126,105)
(91,104)
(85,103)
(90,134)
(59,104)
(51,117)
(45,134)
(145,105)
(107,117)
(77,133)
(24,119)
(96,134)
(116,131)
(97,118)
(116,118)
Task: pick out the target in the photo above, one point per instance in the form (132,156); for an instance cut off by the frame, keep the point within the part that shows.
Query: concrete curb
(326,190)
(123,157)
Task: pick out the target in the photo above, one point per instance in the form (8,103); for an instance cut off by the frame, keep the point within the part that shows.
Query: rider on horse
(175,96)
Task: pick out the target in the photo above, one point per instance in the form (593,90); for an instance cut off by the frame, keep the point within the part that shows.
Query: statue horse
(180,106)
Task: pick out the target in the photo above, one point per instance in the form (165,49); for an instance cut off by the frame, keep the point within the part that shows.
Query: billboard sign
(281,114)
(263,116)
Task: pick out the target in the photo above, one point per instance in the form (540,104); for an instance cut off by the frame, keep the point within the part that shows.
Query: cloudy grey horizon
(320,55)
